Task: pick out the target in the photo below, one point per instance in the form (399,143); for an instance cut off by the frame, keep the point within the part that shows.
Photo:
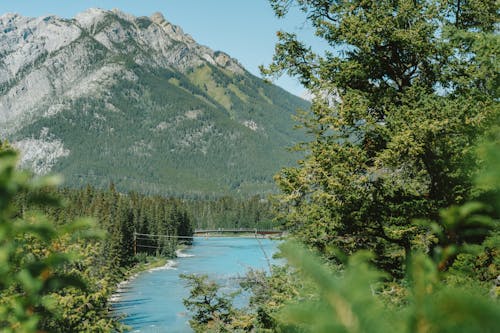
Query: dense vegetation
(231,213)
(58,275)
(319,296)
(398,193)
(394,209)
(397,115)
(120,216)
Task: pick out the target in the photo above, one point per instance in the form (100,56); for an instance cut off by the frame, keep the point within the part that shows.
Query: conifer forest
(390,213)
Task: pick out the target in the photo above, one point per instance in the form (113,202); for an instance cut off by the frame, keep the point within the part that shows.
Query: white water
(152,301)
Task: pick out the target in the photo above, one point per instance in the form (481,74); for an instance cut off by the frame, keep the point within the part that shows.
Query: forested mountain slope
(107,96)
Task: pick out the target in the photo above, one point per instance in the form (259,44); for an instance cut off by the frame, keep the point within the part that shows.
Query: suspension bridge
(221,231)
(153,241)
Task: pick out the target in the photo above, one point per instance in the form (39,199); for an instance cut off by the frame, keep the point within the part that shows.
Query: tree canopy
(406,90)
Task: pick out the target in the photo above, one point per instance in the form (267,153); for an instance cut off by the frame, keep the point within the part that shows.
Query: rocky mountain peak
(87,52)
(108,95)
(90,17)
(157,18)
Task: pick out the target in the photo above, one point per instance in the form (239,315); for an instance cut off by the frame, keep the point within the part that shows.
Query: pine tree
(400,100)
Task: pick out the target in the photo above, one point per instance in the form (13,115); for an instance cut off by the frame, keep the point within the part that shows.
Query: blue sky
(245,29)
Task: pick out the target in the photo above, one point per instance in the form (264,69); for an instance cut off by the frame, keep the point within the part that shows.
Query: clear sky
(245,29)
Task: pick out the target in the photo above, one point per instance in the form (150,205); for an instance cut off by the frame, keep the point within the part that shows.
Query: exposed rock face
(35,50)
(110,96)
(41,154)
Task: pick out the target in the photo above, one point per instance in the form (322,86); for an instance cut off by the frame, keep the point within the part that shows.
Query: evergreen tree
(400,101)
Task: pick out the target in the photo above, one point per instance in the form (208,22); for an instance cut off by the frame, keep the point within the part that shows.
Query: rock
(157,18)
(107,96)
(50,56)
(90,18)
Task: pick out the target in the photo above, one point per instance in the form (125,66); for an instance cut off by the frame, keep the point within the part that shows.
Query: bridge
(255,232)
(142,240)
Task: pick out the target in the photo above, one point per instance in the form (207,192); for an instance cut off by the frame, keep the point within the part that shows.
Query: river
(152,301)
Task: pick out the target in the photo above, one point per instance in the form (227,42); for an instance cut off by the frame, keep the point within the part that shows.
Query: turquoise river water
(152,301)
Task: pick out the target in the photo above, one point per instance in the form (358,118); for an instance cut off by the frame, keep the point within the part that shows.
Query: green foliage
(58,275)
(342,304)
(349,302)
(121,215)
(401,100)
(84,310)
(212,312)
(33,268)
(468,236)
(459,226)
(314,297)
(436,307)
(231,212)
(452,288)
(4,145)
(270,293)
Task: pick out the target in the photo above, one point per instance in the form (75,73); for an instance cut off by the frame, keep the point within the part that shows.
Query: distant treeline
(231,212)
(120,215)
(50,240)
(156,220)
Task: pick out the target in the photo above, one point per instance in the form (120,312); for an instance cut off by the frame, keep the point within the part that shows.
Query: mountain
(108,96)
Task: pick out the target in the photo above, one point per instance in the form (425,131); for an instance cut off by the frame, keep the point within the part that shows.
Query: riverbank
(153,263)
(179,252)
(153,302)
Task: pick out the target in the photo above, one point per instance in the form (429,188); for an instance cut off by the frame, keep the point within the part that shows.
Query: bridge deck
(240,230)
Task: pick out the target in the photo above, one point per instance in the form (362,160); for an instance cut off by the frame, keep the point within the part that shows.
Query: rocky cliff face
(137,84)
(49,58)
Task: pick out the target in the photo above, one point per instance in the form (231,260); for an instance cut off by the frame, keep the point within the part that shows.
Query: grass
(202,77)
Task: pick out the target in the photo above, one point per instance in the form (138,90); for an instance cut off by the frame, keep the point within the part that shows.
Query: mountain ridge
(92,24)
(138,88)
